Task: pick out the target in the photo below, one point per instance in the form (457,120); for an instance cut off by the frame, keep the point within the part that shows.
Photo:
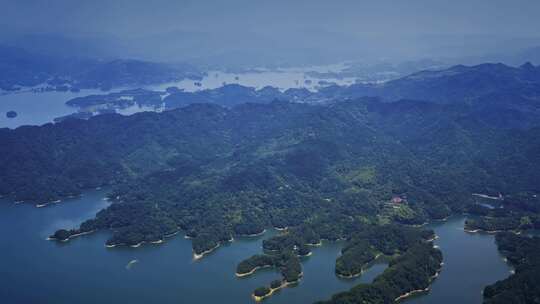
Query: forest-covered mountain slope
(209,169)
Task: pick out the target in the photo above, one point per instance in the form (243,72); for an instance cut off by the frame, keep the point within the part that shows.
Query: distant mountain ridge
(235,161)
(495,91)
(462,83)
(22,68)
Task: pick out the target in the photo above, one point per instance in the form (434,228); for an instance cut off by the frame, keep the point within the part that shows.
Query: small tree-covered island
(11,114)
(369,172)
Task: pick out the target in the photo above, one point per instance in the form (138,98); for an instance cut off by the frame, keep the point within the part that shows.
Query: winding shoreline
(416,291)
(479,230)
(198,256)
(355,275)
(269,294)
(69,237)
(241,275)
(156,242)
(498,198)
(272,290)
(410,293)
(172,234)
(47,204)
(351,276)
(305,255)
(252,235)
(436,237)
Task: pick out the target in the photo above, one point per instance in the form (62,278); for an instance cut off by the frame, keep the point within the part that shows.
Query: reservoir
(34,270)
(37,108)
(471,261)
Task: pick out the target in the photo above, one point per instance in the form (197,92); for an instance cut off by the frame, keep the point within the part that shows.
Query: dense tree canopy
(217,172)
(412,271)
(355,169)
(523,286)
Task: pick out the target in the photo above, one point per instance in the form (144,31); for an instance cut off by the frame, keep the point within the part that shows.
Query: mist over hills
(22,68)
(378,126)
(423,109)
(247,50)
(246,33)
(495,91)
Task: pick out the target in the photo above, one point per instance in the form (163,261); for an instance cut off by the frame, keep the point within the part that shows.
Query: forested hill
(523,286)
(508,95)
(19,67)
(256,161)
(485,83)
(52,161)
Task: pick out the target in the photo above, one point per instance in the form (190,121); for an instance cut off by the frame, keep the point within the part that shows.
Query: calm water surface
(33,270)
(36,108)
(471,261)
(282,79)
(40,108)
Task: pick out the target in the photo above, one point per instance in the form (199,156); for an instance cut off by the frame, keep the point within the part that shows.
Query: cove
(37,108)
(83,270)
(471,262)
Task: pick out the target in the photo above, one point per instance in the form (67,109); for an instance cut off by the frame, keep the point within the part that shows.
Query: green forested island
(270,152)
(365,243)
(215,172)
(11,114)
(365,170)
(409,273)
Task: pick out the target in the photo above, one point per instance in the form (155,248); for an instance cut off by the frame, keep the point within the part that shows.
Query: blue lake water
(471,261)
(40,108)
(34,270)
(36,108)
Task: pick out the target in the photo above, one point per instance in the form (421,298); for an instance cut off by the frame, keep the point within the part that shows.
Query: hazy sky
(397,17)
(274,30)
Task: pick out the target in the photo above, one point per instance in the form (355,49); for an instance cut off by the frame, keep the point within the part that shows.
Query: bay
(83,270)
